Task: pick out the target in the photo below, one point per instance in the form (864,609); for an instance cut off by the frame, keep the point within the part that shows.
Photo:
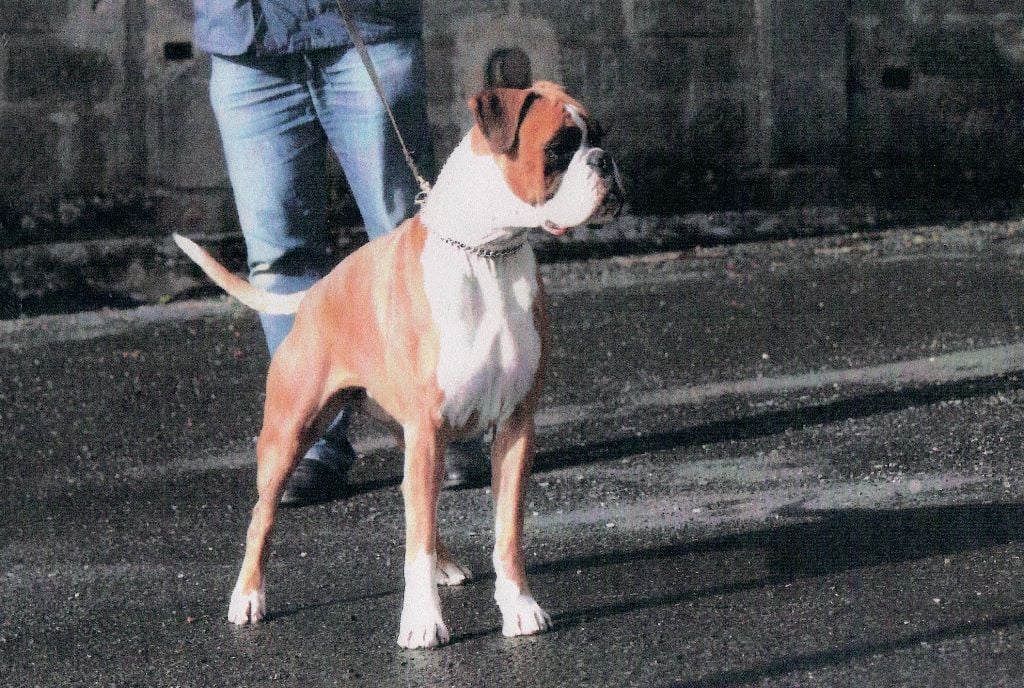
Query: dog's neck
(471,203)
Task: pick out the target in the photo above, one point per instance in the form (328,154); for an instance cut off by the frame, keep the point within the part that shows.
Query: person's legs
(274,148)
(361,134)
(275,151)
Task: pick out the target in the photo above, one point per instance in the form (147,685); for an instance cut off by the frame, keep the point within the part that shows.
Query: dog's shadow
(754,426)
(824,543)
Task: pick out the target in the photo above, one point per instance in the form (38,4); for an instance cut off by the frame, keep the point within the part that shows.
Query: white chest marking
(489,344)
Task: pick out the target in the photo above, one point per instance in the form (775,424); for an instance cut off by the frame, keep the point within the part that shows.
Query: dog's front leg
(421,625)
(511,458)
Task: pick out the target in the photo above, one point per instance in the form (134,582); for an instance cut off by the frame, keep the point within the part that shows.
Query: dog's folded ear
(498,113)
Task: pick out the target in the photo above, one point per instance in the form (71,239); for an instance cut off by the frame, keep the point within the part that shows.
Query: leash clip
(425,188)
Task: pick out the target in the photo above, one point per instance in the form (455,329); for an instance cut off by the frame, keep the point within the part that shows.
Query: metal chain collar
(482,252)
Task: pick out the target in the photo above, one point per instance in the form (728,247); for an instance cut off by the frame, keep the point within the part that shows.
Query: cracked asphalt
(780,464)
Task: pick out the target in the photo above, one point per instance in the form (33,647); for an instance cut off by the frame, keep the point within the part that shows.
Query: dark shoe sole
(460,480)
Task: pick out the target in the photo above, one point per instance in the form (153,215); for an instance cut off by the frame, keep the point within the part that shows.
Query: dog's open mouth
(554,229)
(609,208)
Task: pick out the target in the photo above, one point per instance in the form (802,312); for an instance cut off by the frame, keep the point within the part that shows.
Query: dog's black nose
(601,161)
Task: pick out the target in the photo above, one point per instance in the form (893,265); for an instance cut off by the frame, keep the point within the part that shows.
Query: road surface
(780,464)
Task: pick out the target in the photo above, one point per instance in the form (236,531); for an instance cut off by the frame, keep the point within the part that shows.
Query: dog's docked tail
(253,297)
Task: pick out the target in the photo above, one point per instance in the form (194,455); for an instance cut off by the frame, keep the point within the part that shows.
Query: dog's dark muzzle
(615,196)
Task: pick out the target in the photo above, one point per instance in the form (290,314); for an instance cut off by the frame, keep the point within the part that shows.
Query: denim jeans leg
(360,132)
(275,149)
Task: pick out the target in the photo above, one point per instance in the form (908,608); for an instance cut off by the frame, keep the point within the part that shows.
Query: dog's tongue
(552,228)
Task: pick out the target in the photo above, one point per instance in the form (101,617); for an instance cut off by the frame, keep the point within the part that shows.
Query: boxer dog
(440,328)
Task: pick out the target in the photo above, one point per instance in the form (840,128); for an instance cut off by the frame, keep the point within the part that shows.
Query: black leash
(364,54)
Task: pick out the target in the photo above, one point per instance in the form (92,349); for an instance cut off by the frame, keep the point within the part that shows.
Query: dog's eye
(558,158)
(559,152)
(557,161)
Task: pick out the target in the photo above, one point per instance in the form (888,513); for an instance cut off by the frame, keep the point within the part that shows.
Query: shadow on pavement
(759,425)
(831,657)
(285,612)
(834,542)
(775,422)
(841,540)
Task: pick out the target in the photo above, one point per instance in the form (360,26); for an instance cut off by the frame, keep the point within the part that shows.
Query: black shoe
(319,476)
(466,465)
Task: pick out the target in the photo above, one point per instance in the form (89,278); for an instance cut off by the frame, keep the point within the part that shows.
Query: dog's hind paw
(452,573)
(247,607)
(523,616)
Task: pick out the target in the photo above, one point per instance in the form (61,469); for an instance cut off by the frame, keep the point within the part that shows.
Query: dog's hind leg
(449,570)
(294,403)
(421,623)
(511,457)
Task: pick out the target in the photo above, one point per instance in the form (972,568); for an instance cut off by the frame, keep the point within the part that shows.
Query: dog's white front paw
(247,607)
(521,615)
(452,573)
(422,626)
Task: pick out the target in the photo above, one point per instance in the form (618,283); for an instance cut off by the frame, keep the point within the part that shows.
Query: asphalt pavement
(791,463)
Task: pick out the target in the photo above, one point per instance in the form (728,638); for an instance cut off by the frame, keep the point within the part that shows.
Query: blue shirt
(273,27)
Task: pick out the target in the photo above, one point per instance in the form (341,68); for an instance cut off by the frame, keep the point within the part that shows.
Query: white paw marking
(247,607)
(452,573)
(522,615)
(422,625)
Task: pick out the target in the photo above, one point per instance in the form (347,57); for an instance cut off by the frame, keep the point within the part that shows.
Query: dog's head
(548,148)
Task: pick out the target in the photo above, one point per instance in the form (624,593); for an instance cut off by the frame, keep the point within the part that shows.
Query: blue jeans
(277,115)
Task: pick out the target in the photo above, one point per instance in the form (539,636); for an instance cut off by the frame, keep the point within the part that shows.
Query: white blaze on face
(582,188)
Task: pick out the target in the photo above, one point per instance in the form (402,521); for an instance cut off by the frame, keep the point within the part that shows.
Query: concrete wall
(101,133)
(936,96)
(106,126)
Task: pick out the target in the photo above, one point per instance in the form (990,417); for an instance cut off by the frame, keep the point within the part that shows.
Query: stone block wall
(100,130)
(936,96)
(107,129)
